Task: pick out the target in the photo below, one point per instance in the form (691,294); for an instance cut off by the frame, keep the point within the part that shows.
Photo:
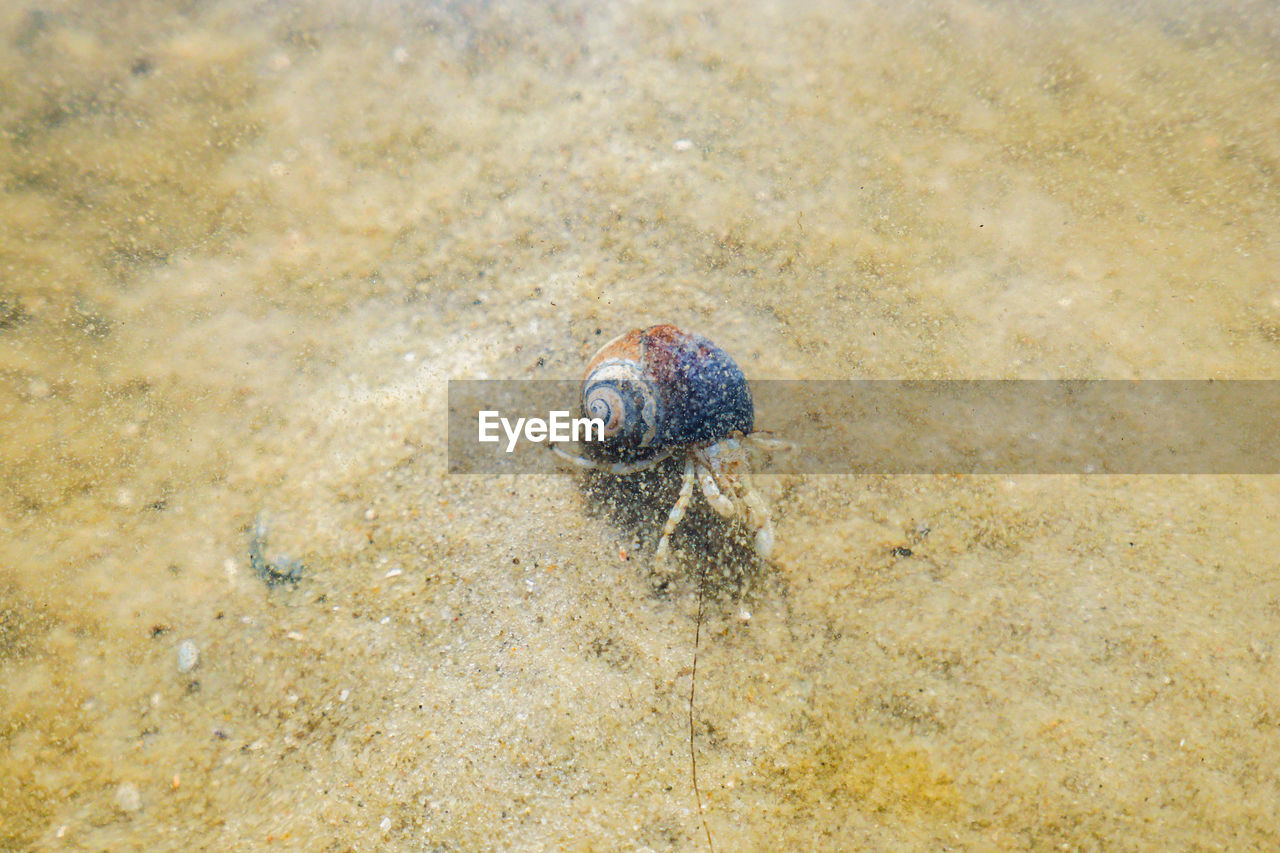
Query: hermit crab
(662,392)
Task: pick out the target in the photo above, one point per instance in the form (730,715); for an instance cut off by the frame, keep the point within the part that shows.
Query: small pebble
(188,656)
(385,825)
(683,144)
(128,798)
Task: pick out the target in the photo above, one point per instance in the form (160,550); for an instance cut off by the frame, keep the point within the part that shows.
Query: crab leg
(677,510)
(758,515)
(760,441)
(711,492)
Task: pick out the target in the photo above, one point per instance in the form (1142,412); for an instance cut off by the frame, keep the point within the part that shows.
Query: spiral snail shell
(661,388)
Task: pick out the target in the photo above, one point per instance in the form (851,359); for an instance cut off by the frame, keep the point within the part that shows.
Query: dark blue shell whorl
(660,388)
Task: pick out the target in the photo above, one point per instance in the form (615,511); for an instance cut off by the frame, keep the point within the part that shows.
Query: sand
(245,246)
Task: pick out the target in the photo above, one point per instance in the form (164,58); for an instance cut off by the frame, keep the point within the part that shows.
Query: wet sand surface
(244,248)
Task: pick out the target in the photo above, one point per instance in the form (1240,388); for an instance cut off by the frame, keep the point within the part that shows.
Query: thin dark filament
(693,686)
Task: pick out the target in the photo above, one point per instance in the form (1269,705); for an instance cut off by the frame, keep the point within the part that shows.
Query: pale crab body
(662,393)
(722,471)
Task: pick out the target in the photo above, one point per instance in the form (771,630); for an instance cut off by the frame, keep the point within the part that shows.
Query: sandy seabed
(245,246)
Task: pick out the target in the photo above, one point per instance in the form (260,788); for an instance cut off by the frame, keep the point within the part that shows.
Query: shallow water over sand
(244,249)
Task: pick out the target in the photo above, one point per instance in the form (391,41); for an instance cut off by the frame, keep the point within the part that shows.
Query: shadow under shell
(705,547)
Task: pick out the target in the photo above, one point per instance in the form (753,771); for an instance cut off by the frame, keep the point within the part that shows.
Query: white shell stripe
(626,370)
